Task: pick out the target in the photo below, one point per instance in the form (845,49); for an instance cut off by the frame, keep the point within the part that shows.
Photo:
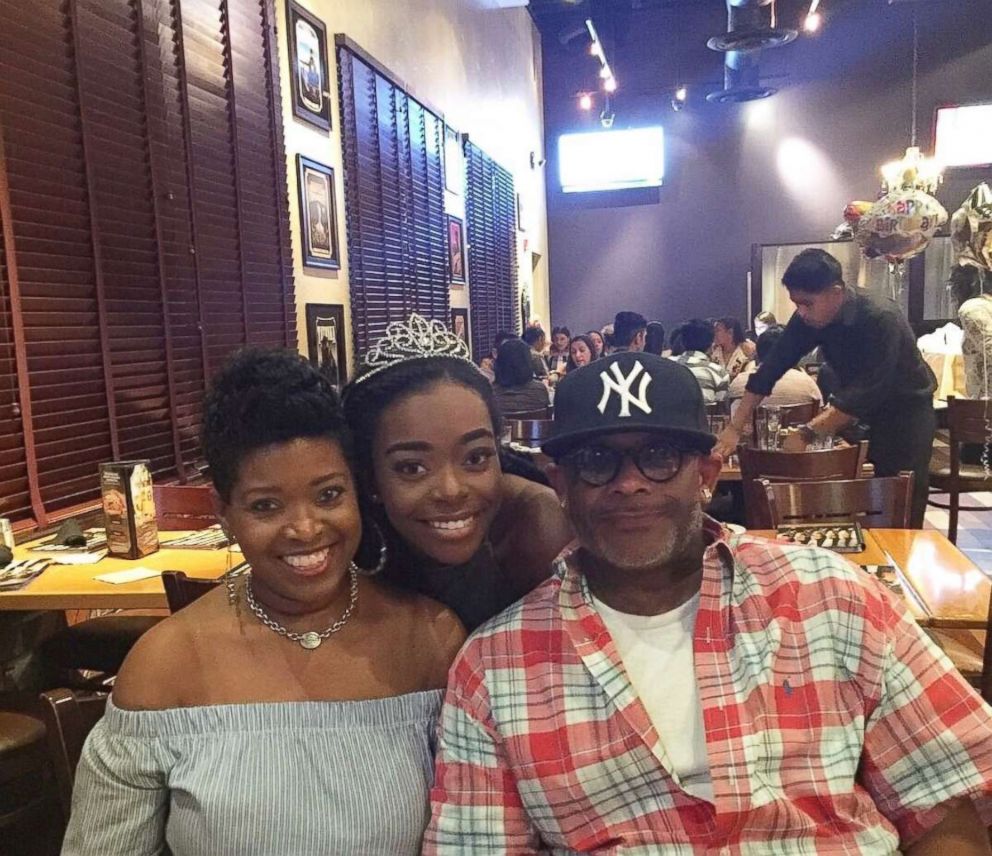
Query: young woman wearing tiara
(450,522)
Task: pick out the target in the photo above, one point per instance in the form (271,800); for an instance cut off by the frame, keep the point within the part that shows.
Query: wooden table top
(943,587)
(74,587)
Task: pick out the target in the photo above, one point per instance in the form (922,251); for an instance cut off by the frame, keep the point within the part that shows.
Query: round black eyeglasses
(599,465)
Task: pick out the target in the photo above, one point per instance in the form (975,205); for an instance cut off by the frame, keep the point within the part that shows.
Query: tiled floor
(974,527)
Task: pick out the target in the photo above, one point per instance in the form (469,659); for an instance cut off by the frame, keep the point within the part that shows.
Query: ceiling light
(585,101)
(813,22)
(610,84)
(681,94)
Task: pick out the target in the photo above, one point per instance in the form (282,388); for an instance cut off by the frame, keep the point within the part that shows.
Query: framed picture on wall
(325,341)
(456,250)
(459,326)
(308,71)
(318,214)
(521,225)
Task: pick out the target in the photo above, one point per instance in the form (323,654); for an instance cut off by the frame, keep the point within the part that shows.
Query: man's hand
(727,441)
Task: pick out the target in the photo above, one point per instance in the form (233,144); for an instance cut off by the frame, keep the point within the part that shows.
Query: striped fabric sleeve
(475,806)
(928,743)
(120,799)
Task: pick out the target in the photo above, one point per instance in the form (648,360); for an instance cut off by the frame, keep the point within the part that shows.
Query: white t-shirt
(656,651)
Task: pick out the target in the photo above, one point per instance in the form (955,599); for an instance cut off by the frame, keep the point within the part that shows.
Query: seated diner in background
(695,338)
(461,522)
(516,388)
(676,688)
(883,380)
(265,717)
(794,387)
(537,341)
(729,346)
(581,352)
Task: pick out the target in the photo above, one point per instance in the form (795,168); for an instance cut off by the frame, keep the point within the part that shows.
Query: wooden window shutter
(490,210)
(144,181)
(394,200)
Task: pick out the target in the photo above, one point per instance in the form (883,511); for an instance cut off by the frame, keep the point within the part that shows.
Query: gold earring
(707,496)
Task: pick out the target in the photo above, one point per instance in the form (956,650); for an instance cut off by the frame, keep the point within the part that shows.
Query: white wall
(478,65)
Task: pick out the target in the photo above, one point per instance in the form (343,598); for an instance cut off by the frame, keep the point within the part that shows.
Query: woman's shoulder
(420,625)
(156,673)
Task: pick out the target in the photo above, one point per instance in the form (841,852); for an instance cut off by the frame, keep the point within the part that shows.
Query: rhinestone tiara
(417,338)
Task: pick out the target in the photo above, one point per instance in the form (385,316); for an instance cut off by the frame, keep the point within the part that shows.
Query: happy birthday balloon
(900,225)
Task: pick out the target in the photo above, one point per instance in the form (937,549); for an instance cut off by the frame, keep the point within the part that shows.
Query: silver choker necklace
(311,639)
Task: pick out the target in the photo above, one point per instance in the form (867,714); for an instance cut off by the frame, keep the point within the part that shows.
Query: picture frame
(318,214)
(456,250)
(309,72)
(459,326)
(521,225)
(326,341)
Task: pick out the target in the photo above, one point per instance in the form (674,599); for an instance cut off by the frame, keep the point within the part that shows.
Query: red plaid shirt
(833,724)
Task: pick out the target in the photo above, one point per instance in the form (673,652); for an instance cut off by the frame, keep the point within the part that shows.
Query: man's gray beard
(678,543)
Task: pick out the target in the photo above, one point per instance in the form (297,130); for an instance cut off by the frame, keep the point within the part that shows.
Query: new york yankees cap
(629,391)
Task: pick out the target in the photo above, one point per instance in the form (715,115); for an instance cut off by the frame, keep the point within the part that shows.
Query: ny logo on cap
(621,386)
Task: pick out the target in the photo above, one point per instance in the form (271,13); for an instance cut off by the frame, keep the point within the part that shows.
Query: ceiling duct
(741,79)
(751,28)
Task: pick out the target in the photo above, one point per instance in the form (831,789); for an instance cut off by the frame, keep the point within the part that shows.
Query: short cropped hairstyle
(513,364)
(262,397)
(626,326)
(767,341)
(561,331)
(654,342)
(813,271)
(697,335)
(533,335)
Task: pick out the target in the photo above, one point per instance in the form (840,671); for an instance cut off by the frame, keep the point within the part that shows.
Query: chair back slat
(967,419)
(68,718)
(879,502)
(181,590)
(179,507)
(845,462)
(532,431)
(520,415)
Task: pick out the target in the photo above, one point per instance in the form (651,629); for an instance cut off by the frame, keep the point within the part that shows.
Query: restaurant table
(942,586)
(64,587)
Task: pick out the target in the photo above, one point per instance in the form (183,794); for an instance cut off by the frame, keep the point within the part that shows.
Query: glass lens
(597,465)
(658,463)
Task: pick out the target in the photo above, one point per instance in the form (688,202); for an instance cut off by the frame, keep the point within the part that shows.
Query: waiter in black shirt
(883,379)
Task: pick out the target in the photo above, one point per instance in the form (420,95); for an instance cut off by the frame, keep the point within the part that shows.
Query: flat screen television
(611,160)
(964,135)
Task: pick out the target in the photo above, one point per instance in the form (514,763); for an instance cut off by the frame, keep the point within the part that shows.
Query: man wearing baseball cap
(675,689)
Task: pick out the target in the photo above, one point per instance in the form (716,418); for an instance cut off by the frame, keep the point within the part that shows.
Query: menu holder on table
(18,574)
(839,537)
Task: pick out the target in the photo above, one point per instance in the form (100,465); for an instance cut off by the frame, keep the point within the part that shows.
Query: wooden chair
(68,717)
(181,506)
(543,414)
(181,590)
(27,799)
(530,432)
(883,503)
(824,465)
(966,420)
